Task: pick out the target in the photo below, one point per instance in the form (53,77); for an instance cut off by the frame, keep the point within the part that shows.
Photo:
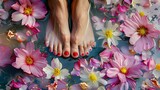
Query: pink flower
(30,60)
(5,56)
(28,11)
(140,31)
(123,68)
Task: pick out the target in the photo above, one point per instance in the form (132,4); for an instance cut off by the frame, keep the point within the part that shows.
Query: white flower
(156,71)
(110,34)
(92,78)
(55,70)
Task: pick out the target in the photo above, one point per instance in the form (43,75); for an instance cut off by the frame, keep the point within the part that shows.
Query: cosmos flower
(92,78)
(28,11)
(30,60)
(55,70)
(110,34)
(140,31)
(123,68)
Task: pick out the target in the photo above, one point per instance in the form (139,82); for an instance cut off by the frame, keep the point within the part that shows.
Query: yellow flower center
(93,77)
(158,67)
(123,70)
(142,31)
(109,33)
(28,11)
(57,72)
(29,60)
(141,13)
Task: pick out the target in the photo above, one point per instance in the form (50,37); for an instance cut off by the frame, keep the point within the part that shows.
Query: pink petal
(39,13)
(36,71)
(24,20)
(26,69)
(119,58)
(30,47)
(19,52)
(17,16)
(134,38)
(112,72)
(16,6)
(122,77)
(31,21)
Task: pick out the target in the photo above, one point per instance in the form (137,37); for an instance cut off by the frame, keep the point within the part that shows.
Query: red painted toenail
(82,54)
(66,53)
(87,53)
(75,54)
(58,54)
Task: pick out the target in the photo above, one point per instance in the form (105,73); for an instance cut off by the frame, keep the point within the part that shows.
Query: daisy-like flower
(140,31)
(55,70)
(30,60)
(92,78)
(110,34)
(28,11)
(156,70)
(124,68)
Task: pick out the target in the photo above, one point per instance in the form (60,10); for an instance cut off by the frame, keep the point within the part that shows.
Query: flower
(29,60)
(55,70)
(28,11)
(58,85)
(123,68)
(5,56)
(110,34)
(140,31)
(97,23)
(92,78)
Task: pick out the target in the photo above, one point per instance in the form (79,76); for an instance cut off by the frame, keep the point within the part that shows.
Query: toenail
(54,53)
(90,49)
(58,54)
(75,54)
(82,54)
(66,53)
(87,53)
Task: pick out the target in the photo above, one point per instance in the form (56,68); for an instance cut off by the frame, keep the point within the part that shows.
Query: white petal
(156,73)
(117,33)
(64,72)
(102,81)
(49,71)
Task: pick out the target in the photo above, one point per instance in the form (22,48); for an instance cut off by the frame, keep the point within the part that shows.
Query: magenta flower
(123,68)
(140,31)
(28,11)
(30,60)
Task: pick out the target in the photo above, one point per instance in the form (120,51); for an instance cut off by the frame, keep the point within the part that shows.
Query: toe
(59,49)
(81,50)
(66,50)
(51,45)
(74,50)
(55,49)
(85,49)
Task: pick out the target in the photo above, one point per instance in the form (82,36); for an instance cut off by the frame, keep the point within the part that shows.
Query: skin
(59,38)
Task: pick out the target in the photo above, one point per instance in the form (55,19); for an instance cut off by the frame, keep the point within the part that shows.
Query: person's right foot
(82,37)
(57,33)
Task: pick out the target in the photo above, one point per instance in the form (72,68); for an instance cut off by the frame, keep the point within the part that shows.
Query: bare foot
(82,37)
(57,33)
